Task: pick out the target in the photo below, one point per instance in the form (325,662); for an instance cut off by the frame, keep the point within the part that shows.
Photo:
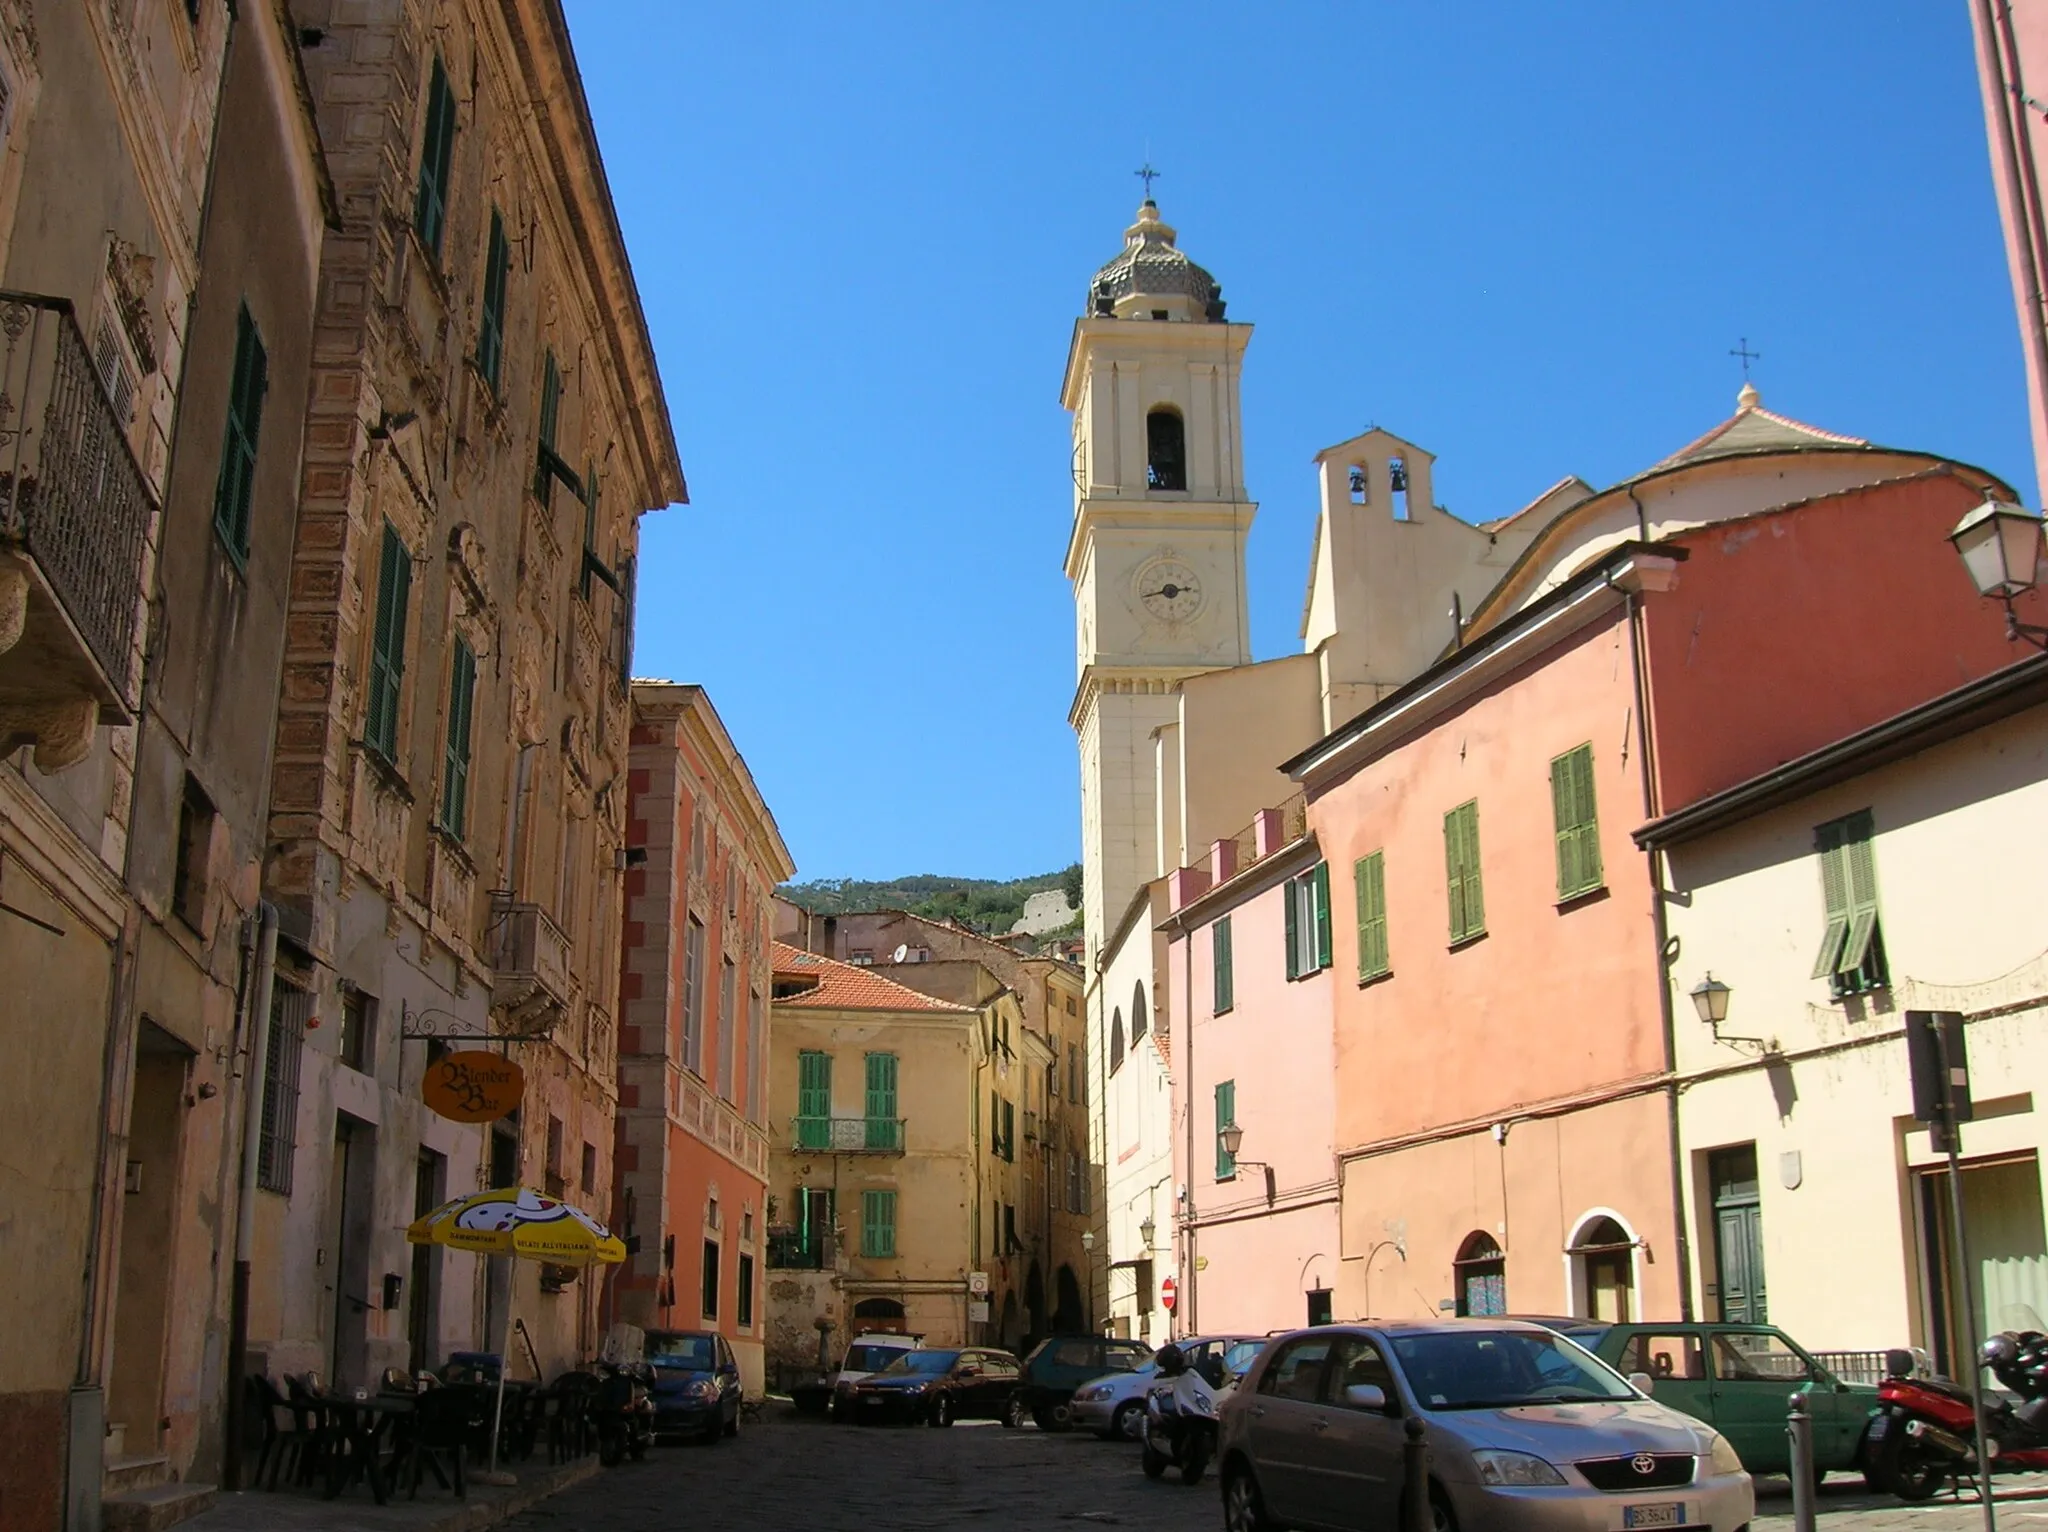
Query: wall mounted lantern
(2000,546)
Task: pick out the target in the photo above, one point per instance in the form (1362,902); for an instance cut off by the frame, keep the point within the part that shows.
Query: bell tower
(1156,556)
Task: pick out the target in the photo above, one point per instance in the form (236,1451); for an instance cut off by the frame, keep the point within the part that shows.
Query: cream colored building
(894,1169)
(1813,1196)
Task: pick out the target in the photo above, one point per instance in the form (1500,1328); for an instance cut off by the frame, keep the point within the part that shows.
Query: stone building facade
(448,793)
(692,1154)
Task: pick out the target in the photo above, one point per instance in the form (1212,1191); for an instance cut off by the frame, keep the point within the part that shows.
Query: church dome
(1151,275)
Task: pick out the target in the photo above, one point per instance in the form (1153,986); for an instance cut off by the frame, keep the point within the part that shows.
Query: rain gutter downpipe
(254,1071)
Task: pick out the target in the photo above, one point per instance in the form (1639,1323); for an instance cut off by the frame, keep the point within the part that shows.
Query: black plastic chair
(313,1425)
(438,1431)
(572,1432)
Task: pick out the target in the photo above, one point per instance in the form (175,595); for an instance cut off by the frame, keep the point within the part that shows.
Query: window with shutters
(1369,879)
(1010,1131)
(1226,1117)
(437,150)
(1116,1040)
(490,329)
(455,766)
(1852,943)
(693,995)
(884,1131)
(1308,922)
(277,1142)
(878,1224)
(1578,823)
(709,1281)
(236,483)
(549,466)
(387,646)
(1219,962)
(728,1024)
(813,1099)
(1461,862)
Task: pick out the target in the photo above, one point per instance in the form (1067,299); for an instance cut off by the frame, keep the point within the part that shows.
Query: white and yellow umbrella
(518,1222)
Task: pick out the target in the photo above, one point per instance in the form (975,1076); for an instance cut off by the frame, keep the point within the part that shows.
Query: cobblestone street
(807,1476)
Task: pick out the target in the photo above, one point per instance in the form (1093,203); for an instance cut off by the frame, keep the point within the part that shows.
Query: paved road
(799,1475)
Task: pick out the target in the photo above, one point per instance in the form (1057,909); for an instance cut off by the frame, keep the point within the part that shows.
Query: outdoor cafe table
(362,1424)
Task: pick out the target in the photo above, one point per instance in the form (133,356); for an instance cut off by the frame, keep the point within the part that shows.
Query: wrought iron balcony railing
(848,1135)
(792,1250)
(530,979)
(74,500)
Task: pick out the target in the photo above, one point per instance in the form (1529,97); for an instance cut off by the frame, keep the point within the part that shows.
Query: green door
(813,1100)
(1738,1236)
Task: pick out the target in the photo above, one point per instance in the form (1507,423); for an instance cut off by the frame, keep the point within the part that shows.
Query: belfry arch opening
(1166,449)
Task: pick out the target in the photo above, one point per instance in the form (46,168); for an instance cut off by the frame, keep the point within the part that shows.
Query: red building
(703,856)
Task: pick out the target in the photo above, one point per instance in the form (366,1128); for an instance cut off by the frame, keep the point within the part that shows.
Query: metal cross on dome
(1742,350)
(1148,175)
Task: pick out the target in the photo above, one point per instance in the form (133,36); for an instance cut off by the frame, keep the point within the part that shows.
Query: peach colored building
(1505,1113)
(704,856)
(1249,997)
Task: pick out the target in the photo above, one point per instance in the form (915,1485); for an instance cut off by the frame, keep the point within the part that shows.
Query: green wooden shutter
(1834,888)
(813,1099)
(878,1223)
(234,488)
(1226,984)
(455,766)
(1475,893)
(1577,822)
(430,206)
(1587,812)
(490,336)
(882,1130)
(387,645)
(1454,874)
(1319,888)
(1291,892)
(1010,1131)
(1859,877)
(550,419)
(1368,877)
(1226,1114)
(1461,861)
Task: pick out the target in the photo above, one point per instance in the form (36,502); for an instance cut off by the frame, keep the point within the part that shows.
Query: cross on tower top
(1742,350)
(1148,175)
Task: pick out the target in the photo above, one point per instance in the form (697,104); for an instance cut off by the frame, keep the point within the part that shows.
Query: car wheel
(1125,1424)
(942,1412)
(1244,1509)
(1013,1413)
(1440,1516)
(1061,1416)
(1153,1461)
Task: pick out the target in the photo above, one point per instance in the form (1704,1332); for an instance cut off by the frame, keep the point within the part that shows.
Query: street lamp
(1710,999)
(1088,1252)
(1146,1230)
(2000,546)
(1231,1137)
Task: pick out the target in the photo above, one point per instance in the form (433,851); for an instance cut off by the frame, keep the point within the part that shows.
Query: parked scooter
(1180,1419)
(623,1407)
(1925,1430)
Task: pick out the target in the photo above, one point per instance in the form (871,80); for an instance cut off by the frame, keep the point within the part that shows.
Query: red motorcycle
(1925,1428)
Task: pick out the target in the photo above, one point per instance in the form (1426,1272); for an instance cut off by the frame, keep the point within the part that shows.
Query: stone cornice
(1148,680)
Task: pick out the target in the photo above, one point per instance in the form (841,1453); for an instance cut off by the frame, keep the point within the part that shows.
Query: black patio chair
(313,1423)
(437,1432)
(283,1431)
(572,1431)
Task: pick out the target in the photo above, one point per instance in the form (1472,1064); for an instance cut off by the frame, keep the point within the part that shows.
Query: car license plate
(1671,1514)
(874,1399)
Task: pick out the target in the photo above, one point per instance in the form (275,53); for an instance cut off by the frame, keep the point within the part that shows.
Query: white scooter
(1180,1420)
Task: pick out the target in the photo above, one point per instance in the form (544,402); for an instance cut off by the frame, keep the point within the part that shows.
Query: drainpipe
(1187,940)
(2013,152)
(256,1024)
(1661,936)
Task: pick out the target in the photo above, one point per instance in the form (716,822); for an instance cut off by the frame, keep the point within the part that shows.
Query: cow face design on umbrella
(494,1215)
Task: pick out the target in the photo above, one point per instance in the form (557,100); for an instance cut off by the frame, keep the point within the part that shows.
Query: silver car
(1113,1406)
(1526,1431)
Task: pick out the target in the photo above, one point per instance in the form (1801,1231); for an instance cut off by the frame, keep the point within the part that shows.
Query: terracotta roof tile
(850,987)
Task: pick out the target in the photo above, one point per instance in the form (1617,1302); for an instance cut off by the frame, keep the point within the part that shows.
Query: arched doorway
(883,1315)
(1011,1330)
(1068,1318)
(1603,1268)
(1482,1275)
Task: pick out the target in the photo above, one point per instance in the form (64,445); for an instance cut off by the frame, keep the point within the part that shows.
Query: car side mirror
(1642,1383)
(1365,1396)
(968,1372)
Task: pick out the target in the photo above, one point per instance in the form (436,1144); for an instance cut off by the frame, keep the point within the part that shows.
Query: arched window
(1603,1256)
(886,1309)
(1361,493)
(1166,450)
(1116,1040)
(1482,1275)
(1138,1016)
(1397,482)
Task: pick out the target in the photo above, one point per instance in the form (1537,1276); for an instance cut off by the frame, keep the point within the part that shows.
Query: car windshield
(690,1351)
(1494,1369)
(871,1358)
(920,1364)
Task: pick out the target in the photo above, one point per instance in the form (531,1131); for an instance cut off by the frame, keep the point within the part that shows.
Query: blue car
(696,1384)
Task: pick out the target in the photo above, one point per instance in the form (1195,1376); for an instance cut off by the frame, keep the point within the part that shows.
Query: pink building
(1250,1010)
(1504,1109)
(2012,65)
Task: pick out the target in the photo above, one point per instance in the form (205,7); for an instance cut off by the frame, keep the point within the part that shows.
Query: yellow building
(895,1174)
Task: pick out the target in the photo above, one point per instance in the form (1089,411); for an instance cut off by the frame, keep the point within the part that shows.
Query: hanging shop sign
(473,1086)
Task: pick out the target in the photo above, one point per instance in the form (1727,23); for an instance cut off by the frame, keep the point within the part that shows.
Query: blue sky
(1524,237)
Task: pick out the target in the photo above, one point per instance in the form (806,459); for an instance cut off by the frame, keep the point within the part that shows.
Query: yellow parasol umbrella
(517,1221)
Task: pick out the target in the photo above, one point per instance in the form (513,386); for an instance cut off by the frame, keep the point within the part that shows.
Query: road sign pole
(1952,1137)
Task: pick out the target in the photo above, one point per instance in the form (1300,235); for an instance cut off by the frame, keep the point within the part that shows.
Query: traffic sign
(1166,1293)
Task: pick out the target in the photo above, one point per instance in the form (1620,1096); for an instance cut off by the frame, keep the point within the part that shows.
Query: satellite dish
(902,952)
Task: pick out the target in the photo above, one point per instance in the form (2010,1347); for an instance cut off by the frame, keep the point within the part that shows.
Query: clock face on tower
(1169,591)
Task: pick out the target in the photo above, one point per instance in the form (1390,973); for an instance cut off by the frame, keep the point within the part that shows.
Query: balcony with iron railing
(794,1250)
(847,1135)
(531,983)
(75,511)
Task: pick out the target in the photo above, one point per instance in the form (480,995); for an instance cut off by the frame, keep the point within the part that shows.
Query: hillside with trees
(984,904)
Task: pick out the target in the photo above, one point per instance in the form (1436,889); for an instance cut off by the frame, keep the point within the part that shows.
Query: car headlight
(1722,1455)
(1515,1469)
(704,1388)
(1091,1392)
